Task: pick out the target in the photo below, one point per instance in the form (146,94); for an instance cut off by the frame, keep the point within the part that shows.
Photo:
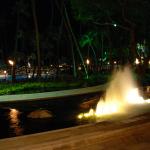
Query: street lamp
(115,62)
(79,68)
(87,61)
(137,61)
(115,25)
(29,65)
(5,72)
(11,62)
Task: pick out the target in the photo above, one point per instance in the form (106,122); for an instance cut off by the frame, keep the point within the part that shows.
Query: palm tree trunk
(69,29)
(133,44)
(110,49)
(52,13)
(95,58)
(37,38)
(71,44)
(76,43)
(16,46)
(58,47)
(73,60)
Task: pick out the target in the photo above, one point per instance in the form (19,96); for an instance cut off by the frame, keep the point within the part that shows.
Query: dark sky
(8,20)
(8,11)
(45,11)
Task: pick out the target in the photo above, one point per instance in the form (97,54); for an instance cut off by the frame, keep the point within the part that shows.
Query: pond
(14,120)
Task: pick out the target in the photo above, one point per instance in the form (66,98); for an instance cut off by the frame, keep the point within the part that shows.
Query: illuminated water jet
(122,93)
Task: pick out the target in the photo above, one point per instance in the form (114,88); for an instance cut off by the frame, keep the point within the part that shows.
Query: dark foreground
(125,135)
(14,119)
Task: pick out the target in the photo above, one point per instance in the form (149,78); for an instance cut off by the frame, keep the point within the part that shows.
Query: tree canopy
(125,22)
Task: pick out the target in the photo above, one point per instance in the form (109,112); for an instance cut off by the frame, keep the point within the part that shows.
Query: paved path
(51,95)
(124,135)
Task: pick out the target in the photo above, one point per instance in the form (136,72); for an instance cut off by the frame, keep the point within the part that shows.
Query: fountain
(122,94)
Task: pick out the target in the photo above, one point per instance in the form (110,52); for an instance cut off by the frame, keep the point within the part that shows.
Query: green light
(115,25)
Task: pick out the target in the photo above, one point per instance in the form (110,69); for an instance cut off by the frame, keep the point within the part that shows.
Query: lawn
(48,86)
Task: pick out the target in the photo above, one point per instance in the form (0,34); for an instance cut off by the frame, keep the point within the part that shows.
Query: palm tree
(72,38)
(37,38)
(75,41)
(87,40)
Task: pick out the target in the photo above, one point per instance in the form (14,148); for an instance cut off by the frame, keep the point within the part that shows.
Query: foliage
(35,87)
(121,21)
(99,78)
(87,39)
(87,10)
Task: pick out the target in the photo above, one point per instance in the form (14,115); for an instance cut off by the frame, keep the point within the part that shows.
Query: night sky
(45,10)
(16,22)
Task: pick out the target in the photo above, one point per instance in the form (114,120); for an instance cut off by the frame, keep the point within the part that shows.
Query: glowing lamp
(11,62)
(137,61)
(115,25)
(87,61)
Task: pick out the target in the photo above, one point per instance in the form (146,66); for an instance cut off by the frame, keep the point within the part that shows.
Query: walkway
(51,95)
(121,135)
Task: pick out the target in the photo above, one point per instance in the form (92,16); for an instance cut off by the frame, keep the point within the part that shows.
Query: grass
(34,87)
(48,86)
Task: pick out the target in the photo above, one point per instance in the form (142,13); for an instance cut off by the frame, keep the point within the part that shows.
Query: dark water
(14,120)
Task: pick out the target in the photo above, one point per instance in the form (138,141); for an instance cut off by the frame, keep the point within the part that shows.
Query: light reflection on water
(15,121)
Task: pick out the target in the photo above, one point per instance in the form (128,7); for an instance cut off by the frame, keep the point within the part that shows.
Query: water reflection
(15,121)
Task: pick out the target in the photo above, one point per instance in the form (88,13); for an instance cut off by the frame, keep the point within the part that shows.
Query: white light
(29,65)
(115,62)
(5,71)
(79,68)
(115,25)
(87,61)
(137,61)
(11,62)
(29,76)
